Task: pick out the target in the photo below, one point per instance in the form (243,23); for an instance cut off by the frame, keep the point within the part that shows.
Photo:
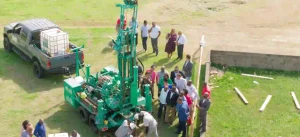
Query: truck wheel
(92,123)
(84,114)
(7,45)
(38,70)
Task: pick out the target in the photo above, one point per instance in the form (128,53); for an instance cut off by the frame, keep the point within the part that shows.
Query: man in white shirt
(131,24)
(180,82)
(192,91)
(144,34)
(125,130)
(154,35)
(149,123)
(180,44)
(162,102)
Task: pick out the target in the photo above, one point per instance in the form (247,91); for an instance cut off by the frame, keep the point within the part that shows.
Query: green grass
(25,97)
(229,117)
(69,12)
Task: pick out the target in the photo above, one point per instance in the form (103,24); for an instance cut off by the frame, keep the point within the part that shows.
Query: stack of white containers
(54,42)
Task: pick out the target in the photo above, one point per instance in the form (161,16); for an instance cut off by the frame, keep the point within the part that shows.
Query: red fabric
(119,22)
(189,121)
(188,100)
(152,75)
(206,89)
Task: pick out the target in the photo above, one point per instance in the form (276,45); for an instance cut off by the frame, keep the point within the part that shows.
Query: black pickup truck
(23,38)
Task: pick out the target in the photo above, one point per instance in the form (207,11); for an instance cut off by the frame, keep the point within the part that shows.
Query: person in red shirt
(188,98)
(190,104)
(206,89)
(119,22)
(152,73)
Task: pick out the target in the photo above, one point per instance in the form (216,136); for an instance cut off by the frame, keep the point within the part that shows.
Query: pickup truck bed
(24,39)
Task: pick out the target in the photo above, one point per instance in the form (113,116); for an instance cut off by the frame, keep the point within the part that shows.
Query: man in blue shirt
(183,114)
(40,129)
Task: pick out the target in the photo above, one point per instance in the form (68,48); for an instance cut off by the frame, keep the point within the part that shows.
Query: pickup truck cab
(23,38)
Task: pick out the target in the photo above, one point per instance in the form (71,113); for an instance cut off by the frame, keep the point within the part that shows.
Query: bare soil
(261,26)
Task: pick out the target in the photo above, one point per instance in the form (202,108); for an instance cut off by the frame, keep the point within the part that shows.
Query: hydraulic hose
(141,64)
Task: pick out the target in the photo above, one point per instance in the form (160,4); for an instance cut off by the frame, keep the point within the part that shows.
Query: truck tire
(7,45)
(84,115)
(38,70)
(92,123)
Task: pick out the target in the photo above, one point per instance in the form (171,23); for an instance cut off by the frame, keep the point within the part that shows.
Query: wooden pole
(295,100)
(241,95)
(264,105)
(191,133)
(256,76)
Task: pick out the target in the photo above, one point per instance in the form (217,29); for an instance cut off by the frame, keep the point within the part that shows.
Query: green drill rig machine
(112,95)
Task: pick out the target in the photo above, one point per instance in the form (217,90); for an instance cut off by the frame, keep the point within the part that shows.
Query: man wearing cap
(183,114)
(203,106)
(126,129)
(150,123)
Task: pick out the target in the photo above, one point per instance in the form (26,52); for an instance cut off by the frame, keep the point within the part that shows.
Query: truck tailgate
(65,60)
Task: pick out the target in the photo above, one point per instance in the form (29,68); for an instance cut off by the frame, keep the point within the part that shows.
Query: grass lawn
(229,117)
(63,12)
(25,97)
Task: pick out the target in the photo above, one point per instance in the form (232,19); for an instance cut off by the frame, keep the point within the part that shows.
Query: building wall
(256,60)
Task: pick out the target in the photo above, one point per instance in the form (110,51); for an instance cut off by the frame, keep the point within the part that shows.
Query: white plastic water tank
(54,42)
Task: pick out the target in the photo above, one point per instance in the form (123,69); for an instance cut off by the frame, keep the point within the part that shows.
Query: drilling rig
(110,96)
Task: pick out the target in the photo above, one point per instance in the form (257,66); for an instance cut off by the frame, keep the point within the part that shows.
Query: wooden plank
(295,100)
(256,76)
(264,105)
(241,95)
(191,132)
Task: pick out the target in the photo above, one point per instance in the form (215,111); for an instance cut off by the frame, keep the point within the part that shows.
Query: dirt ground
(262,26)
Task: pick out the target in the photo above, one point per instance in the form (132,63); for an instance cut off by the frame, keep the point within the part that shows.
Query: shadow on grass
(67,119)
(257,71)
(106,50)
(13,67)
(145,56)
(166,62)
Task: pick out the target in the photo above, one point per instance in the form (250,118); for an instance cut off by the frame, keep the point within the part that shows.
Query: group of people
(28,131)
(153,32)
(39,130)
(177,95)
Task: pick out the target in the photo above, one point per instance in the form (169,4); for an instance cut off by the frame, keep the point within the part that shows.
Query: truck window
(35,39)
(17,29)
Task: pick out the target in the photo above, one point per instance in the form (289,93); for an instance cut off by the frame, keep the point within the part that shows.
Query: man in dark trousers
(183,115)
(188,67)
(203,106)
(171,101)
(174,73)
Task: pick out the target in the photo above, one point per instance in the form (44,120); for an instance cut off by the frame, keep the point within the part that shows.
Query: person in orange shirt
(206,89)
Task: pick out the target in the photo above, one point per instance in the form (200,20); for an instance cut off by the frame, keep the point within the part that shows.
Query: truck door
(24,42)
(16,35)
(19,38)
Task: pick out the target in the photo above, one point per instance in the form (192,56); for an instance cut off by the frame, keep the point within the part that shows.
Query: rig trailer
(112,95)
